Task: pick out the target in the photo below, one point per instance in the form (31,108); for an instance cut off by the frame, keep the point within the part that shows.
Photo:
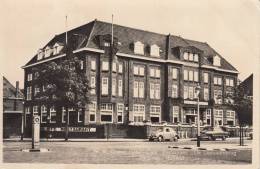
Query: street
(128,152)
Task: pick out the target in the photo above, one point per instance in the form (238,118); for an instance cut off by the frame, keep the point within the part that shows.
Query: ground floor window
(120,110)
(218,116)
(155,114)
(207,116)
(190,115)
(138,112)
(230,117)
(80,116)
(52,115)
(92,112)
(106,112)
(63,115)
(175,110)
(43,114)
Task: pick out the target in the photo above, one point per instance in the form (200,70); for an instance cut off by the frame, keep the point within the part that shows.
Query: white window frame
(157,73)
(93,64)
(114,67)
(40,54)
(36,90)
(106,109)
(216,61)
(136,70)
(120,68)
(104,90)
(29,77)
(141,89)
(152,72)
(139,48)
(218,115)
(191,75)
(53,113)
(231,116)
(174,73)
(175,113)
(206,77)
(93,85)
(185,75)
(196,76)
(141,71)
(114,84)
(186,56)
(136,88)
(196,57)
(186,92)
(155,111)
(63,115)
(191,57)
(29,93)
(157,89)
(47,51)
(138,111)
(120,110)
(175,91)
(80,111)
(44,113)
(152,93)
(120,87)
(35,110)
(191,92)
(82,64)
(208,116)
(105,65)
(155,50)
(206,94)
(27,110)
(93,111)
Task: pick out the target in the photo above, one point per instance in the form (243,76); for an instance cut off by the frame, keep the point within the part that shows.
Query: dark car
(213,133)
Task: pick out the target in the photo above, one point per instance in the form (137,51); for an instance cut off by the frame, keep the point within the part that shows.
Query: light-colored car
(163,134)
(213,133)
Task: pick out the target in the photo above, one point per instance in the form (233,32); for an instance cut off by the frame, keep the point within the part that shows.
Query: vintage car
(163,134)
(213,133)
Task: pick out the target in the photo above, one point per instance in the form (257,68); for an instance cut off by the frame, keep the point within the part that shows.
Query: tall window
(93,85)
(206,77)
(27,110)
(29,93)
(104,86)
(155,51)
(105,66)
(139,89)
(114,86)
(114,67)
(29,77)
(208,116)
(52,115)
(43,114)
(80,115)
(174,91)
(186,92)
(186,55)
(229,82)
(154,91)
(218,96)
(138,112)
(120,110)
(196,76)
(120,68)
(176,114)
(196,57)
(174,73)
(155,114)
(93,65)
(138,48)
(139,70)
(63,115)
(35,110)
(185,74)
(206,94)
(190,75)
(106,112)
(120,88)
(36,90)
(230,117)
(92,112)
(81,64)
(191,92)
(218,117)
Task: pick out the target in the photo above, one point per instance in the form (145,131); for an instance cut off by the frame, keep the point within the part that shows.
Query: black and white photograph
(149,83)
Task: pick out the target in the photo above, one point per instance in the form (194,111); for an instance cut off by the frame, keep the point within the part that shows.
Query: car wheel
(160,138)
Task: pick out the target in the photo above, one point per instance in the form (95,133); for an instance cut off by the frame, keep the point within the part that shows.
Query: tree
(65,85)
(242,104)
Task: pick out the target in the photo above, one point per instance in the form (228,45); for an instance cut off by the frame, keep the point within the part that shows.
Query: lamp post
(197,90)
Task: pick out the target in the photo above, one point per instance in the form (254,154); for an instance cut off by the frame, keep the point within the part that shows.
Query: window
(105,66)
(229,82)
(114,86)
(104,86)
(92,112)
(35,110)
(139,70)
(63,116)
(174,91)
(81,64)
(174,73)
(93,85)
(139,89)
(186,56)
(29,93)
(191,92)
(218,96)
(106,44)
(106,112)
(155,51)
(52,115)
(120,68)
(229,97)
(218,117)
(196,57)
(185,74)
(36,90)
(27,110)
(36,75)
(208,116)
(175,114)
(120,88)
(206,94)
(43,114)
(152,72)
(217,81)
(48,51)
(157,73)
(40,54)
(230,115)
(154,91)
(190,75)
(186,92)
(120,110)
(57,48)
(155,114)
(136,89)
(196,76)
(139,48)
(114,67)
(216,61)
(206,77)
(138,112)
(80,115)
(190,56)
(29,77)
(93,65)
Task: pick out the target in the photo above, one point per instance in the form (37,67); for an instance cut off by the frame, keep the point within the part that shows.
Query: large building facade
(151,79)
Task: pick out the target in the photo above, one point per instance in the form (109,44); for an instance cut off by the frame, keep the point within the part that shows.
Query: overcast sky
(230,27)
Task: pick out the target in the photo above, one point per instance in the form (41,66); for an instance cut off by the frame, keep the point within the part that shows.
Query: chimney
(168,46)
(17,89)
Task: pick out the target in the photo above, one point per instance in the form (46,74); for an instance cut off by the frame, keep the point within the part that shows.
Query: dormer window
(40,54)
(186,55)
(216,61)
(155,51)
(57,48)
(190,56)
(139,48)
(196,57)
(48,51)
(106,44)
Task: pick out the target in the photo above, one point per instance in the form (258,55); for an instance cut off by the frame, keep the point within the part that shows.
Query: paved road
(126,153)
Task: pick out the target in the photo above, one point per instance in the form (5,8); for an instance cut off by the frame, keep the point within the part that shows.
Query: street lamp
(197,91)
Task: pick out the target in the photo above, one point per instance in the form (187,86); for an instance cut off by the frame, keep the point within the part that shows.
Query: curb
(203,148)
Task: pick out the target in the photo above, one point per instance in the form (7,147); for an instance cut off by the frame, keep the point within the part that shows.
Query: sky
(230,27)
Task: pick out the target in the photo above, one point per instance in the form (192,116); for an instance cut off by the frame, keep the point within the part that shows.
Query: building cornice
(135,57)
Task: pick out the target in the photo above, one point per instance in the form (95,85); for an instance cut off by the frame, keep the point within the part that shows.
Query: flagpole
(66,24)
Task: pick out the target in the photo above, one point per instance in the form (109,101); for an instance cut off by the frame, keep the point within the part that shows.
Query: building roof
(85,36)
(9,91)
(247,85)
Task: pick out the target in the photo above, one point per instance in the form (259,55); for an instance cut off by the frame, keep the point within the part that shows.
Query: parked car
(163,134)
(213,133)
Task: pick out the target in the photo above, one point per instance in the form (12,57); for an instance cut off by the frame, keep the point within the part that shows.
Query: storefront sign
(71,129)
(195,102)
